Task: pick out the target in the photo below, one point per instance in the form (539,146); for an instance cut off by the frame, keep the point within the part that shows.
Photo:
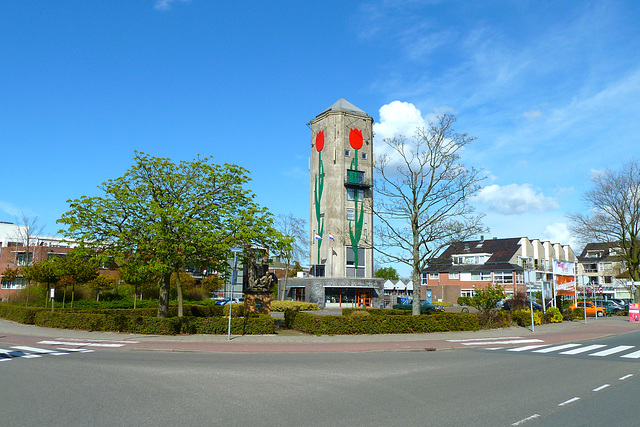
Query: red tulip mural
(355,233)
(355,139)
(320,141)
(319,186)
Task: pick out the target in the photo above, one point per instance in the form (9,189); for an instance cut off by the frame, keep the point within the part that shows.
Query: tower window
(351,214)
(346,153)
(364,156)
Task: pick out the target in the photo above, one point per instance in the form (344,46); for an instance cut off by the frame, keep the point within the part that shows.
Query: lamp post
(234,275)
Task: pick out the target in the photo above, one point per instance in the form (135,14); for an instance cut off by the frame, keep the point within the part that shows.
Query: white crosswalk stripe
(574,349)
(584,349)
(27,352)
(611,351)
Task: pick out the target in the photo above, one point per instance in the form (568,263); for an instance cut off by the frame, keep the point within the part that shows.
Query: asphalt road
(480,387)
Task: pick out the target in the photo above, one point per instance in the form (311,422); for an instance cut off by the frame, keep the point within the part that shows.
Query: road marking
(555,348)
(77,350)
(625,377)
(524,420)
(88,344)
(112,341)
(613,350)
(523,341)
(13,353)
(602,387)
(566,402)
(634,355)
(486,339)
(584,349)
(39,350)
(527,347)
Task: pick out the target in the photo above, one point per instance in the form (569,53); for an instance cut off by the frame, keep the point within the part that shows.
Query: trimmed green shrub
(553,315)
(379,324)
(19,313)
(280,306)
(523,317)
(464,300)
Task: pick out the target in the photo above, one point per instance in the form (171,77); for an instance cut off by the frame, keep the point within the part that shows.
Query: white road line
(566,402)
(555,348)
(602,387)
(112,341)
(527,347)
(613,350)
(584,349)
(486,339)
(501,342)
(634,355)
(77,350)
(524,420)
(88,344)
(625,377)
(13,353)
(40,350)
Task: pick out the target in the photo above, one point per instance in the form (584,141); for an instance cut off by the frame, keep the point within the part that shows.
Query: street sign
(236,250)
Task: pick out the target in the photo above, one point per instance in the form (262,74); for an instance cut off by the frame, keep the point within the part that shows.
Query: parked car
(624,304)
(611,305)
(507,304)
(425,307)
(591,308)
(226,301)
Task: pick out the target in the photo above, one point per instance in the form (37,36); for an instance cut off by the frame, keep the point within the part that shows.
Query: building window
(434,276)
(353,192)
(346,153)
(455,275)
(364,156)
(351,214)
(352,271)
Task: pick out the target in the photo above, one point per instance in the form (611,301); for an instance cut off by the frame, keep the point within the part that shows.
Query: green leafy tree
(78,267)
(387,273)
(102,283)
(9,275)
(486,300)
(46,273)
(170,216)
(138,275)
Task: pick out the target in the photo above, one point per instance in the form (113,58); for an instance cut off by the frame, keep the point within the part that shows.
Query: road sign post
(235,252)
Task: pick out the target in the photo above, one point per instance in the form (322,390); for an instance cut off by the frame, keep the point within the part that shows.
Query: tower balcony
(355,179)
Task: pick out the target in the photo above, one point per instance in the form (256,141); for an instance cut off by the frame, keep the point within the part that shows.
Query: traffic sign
(236,250)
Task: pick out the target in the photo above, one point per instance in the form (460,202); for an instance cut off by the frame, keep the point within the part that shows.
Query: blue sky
(550,89)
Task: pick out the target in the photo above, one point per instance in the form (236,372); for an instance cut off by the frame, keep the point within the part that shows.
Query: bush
(281,306)
(523,317)
(464,301)
(380,324)
(19,313)
(553,315)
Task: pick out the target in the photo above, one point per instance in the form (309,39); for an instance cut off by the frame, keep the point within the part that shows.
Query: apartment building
(517,264)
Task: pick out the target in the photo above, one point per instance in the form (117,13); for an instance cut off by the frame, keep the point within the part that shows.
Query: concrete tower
(341,219)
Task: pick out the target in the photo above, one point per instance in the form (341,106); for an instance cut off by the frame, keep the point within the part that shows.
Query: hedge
(380,324)
(142,321)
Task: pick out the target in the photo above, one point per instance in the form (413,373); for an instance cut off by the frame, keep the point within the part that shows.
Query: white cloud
(532,115)
(10,209)
(515,199)
(558,232)
(399,118)
(165,5)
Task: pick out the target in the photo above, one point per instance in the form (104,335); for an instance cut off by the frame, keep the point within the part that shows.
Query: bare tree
(423,204)
(27,235)
(295,231)
(614,215)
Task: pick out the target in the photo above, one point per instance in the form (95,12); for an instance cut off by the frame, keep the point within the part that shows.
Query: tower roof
(344,105)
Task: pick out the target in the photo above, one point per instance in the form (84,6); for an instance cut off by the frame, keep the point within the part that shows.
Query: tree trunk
(135,297)
(163,297)
(179,287)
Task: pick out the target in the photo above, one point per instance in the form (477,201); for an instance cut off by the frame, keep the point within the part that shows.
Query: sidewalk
(293,341)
